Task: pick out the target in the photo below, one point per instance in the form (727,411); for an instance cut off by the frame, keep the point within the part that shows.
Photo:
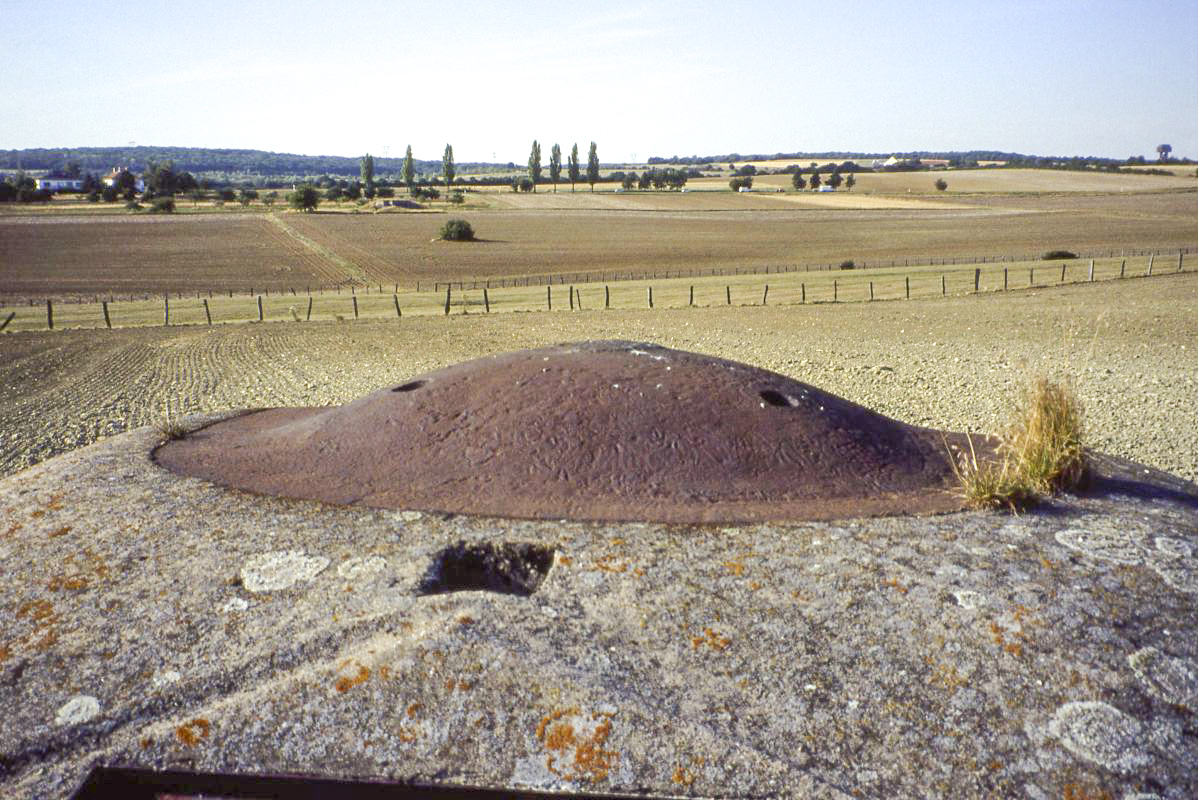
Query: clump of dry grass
(1040,453)
(170,429)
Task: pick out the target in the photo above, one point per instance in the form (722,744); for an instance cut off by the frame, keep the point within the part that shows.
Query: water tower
(1163,151)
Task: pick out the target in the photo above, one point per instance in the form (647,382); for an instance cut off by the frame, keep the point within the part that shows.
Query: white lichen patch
(1106,543)
(282,569)
(1174,548)
(1170,558)
(969,600)
(1102,734)
(407,516)
(1174,680)
(165,678)
(234,604)
(79,709)
(361,568)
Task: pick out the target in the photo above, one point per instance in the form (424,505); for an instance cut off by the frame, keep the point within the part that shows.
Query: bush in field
(163,205)
(304,198)
(1058,255)
(736,184)
(457,198)
(847,264)
(457,230)
(941,184)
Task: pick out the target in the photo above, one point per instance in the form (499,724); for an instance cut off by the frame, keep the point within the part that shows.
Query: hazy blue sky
(1052,77)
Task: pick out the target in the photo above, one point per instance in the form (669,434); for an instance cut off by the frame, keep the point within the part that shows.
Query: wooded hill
(205,161)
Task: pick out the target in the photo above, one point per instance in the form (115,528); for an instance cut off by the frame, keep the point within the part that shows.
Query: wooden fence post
(1091,270)
(107,319)
(448,289)
(802,292)
(1004,279)
(7,320)
(1122,267)
(49,314)
(207,313)
(259,308)
(692,301)
(943,290)
(1151,256)
(166,310)
(486,301)
(765,295)
(606,297)
(835,290)
(871,291)
(1031,276)
(728,294)
(571,298)
(650,297)
(355,299)
(548,296)
(977,277)
(1063,273)
(1179,257)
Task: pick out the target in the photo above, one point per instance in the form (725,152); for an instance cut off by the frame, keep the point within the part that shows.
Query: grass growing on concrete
(1040,453)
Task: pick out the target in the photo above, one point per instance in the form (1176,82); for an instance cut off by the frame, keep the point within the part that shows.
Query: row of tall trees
(573,171)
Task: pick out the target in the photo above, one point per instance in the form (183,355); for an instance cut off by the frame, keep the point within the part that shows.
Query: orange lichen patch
(607,563)
(191,733)
(5,653)
(16,526)
(945,675)
(146,743)
(617,541)
(346,682)
(735,567)
(414,709)
(895,583)
(385,672)
(682,776)
(754,585)
(575,742)
(79,570)
(55,503)
(44,620)
(407,735)
(712,639)
(1077,791)
(465,619)
(63,531)
(38,514)
(565,561)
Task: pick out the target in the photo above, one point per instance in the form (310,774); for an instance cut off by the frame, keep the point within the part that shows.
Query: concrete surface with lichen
(163,622)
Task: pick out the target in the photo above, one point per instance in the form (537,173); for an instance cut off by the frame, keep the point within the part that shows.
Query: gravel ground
(956,363)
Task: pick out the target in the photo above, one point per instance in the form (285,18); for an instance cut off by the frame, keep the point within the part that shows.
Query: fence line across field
(655,293)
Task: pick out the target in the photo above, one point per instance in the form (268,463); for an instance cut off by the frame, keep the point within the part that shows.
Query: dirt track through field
(953,363)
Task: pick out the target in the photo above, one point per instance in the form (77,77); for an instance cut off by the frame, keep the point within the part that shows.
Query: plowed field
(953,363)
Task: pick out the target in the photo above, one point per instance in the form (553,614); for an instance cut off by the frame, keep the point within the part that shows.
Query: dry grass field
(64,256)
(1004,181)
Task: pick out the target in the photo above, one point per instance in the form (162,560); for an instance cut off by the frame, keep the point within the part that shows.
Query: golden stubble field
(64,256)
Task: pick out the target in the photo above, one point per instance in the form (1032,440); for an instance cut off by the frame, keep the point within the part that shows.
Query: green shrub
(847,264)
(457,230)
(1058,255)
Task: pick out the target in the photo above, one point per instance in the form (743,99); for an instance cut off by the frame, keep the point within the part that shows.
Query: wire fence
(698,289)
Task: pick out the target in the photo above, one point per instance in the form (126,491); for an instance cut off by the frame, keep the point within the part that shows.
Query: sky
(650,78)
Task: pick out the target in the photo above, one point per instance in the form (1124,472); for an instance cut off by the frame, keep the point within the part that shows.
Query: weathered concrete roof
(165,622)
(598,430)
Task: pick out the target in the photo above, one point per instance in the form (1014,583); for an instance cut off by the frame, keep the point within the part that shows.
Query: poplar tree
(593,166)
(797,181)
(366,167)
(555,165)
(534,164)
(447,166)
(573,167)
(409,172)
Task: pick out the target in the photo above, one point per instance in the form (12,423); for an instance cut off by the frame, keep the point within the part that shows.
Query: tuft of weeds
(1040,453)
(169,429)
